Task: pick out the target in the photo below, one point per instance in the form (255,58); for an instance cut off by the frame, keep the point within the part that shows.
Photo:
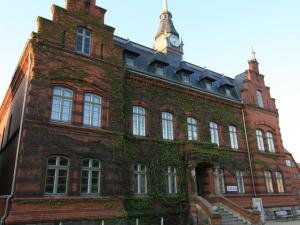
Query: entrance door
(201,179)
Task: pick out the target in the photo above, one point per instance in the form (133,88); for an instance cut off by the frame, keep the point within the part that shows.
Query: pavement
(295,222)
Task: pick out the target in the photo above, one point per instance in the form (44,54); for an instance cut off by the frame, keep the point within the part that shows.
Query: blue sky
(217,34)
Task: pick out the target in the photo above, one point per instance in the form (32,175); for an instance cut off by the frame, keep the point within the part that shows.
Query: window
(260,100)
(138,121)
(192,129)
(140,179)
(130,60)
(269,182)
(233,137)
(83,41)
(214,133)
(90,176)
(57,175)
(208,85)
(228,91)
(270,142)
(219,181)
(62,101)
(159,69)
(167,126)
(240,181)
(260,140)
(185,78)
(288,163)
(279,182)
(92,110)
(172,180)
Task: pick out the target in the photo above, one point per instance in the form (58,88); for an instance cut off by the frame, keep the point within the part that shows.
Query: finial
(253,55)
(165,6)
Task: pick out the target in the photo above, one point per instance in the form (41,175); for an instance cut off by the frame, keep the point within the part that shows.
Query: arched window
(270,141)
(138,121)
(90,176)
(62,101)
(279,181)
(214,133)
(192,129)
(269,182)
(260,140)
(233,137)
(92,110)
(167,126)
(83,40)
(57,175)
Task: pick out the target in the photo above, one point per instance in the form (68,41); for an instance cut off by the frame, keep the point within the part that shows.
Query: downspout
(8,200)
(249,155)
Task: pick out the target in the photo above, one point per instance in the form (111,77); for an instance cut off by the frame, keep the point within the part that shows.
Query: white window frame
(289,163)
(240,181)
(214,133)
(270,140)
(95,110)
(269,182)
(185,78)
(279,182)
(172,180)
(85,37)
(260,99)
(192,129)
(167,126)
(138,121)
(260,140)
(57,169)
(90,170)
(233,137)
(138,175)
(61,98)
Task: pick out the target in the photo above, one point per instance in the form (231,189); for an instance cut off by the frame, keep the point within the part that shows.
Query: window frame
(214,133)
(132,58)
(234,143)
(240,181)
(90,169)
(160,69)
(269,182)
(84,37)
(260,140)
(260,99)
(271,143)
(92,104)
(220,186)
(172,179)
(139,173)
(62,99)
(57,168)
(167,120)
(138,121)
(192,129)
(279,182)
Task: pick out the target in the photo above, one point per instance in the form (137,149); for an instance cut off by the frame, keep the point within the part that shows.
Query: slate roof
(166,24)
(145,57)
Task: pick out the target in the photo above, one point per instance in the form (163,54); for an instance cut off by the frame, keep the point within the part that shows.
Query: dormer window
(130,60)
(185,78)
(159,69)
(228,91)
(208,84)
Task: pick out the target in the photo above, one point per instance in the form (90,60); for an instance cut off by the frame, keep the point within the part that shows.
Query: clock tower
(167,39)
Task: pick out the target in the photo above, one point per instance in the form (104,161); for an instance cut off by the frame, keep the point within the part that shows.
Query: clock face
(174,40)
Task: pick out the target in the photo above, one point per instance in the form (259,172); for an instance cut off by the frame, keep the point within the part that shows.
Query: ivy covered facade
(84,138)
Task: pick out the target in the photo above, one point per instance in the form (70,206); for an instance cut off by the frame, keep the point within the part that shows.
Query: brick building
(96,129)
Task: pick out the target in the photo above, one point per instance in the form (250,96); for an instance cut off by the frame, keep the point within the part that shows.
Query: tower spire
(165,5)
(253,55)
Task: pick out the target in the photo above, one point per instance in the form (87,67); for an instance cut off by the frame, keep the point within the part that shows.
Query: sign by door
(232,188)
